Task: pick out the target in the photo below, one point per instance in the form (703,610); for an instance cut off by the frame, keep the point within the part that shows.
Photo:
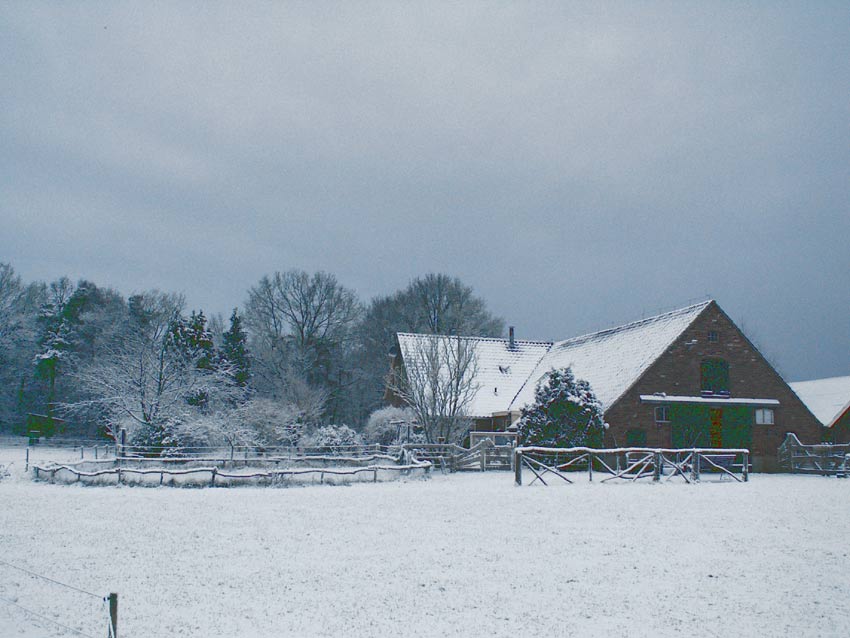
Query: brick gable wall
(677,372)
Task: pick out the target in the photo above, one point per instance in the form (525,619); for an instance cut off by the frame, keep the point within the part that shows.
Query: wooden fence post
(590,466)
(656,471)
(517,466)
(113,615)
(123,438)
(697,461)
(483,459)
(27,468)
(212,479)
(746,468)
(82,452)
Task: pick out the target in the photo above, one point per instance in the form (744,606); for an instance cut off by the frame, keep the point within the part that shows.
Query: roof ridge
(476,338)
(840,376)
(633,324)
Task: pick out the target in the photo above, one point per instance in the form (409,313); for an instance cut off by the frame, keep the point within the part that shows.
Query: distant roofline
(633,324)
(841,376)
(499,339)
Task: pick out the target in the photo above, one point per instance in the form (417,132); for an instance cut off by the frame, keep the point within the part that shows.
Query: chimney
(511,342)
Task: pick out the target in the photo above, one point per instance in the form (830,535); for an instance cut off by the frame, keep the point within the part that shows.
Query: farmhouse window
(764,416)
(714,375)
(662,414)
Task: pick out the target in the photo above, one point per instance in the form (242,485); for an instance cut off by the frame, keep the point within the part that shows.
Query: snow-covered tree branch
(438,383)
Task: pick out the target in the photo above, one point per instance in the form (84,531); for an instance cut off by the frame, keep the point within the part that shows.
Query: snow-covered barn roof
(501,370)
(828,399)
(612,360)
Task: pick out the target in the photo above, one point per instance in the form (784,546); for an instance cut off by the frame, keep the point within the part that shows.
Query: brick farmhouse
(685,378)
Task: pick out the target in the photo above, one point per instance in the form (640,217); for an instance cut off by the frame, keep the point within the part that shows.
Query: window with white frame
(713,336)
(764,416)
(662,414)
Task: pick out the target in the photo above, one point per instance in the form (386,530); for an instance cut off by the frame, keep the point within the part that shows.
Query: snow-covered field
(459,555)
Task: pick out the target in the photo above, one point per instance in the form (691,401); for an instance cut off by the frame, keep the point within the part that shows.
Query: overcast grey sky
(578,164)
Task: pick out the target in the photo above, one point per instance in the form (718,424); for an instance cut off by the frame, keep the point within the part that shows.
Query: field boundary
(144,471)
(631,463)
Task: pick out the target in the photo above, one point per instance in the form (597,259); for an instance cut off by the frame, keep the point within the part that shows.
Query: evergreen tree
(565,413)
(193,344)
(234,350)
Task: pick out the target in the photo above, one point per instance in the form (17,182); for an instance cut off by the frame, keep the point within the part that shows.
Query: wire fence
(103,614)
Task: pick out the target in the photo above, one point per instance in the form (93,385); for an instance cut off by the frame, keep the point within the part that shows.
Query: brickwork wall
(677,372)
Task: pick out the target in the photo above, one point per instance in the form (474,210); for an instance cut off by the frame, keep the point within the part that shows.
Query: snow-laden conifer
(565,413)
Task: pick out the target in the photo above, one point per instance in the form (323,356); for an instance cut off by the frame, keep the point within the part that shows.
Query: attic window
(662,414)
(713,337)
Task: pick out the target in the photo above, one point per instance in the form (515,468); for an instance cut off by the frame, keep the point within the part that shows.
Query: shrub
(565,413)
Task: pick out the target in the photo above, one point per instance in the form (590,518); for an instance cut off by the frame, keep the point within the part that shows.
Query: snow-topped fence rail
(484,455)
(631,463)
(826,459)
(224,472)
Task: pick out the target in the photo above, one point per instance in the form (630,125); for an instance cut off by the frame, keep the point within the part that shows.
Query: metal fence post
(113,615)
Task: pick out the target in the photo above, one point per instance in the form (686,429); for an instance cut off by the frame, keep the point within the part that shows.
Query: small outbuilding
(829,400)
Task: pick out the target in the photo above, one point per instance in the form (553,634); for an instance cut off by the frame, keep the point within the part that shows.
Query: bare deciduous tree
(301,328)
(437,381)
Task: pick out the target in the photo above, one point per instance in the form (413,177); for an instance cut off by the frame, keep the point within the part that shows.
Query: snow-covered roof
(501,370)
(828,399)
(612,360)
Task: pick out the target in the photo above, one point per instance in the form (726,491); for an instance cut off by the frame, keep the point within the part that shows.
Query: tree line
(302,353)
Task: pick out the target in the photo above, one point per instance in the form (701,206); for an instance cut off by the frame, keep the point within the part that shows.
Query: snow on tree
(153,377)
(437,381)
(234,349)
(301,329)
(434,304)
(565,413)
(390,425)
(334,439)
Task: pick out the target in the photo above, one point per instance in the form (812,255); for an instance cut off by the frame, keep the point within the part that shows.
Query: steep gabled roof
(612,360)
(501,370)
(828,399)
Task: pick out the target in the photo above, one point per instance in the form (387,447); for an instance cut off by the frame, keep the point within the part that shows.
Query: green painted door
(696,425)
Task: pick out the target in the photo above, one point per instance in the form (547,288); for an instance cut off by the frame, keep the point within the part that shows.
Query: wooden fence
(630,464)
(484,455)
(200,472)
(826,459)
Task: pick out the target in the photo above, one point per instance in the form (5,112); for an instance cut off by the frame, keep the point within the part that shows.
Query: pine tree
(565,413)
(234,350)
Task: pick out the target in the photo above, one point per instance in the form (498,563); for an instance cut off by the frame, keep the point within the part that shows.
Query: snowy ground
(460,555)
